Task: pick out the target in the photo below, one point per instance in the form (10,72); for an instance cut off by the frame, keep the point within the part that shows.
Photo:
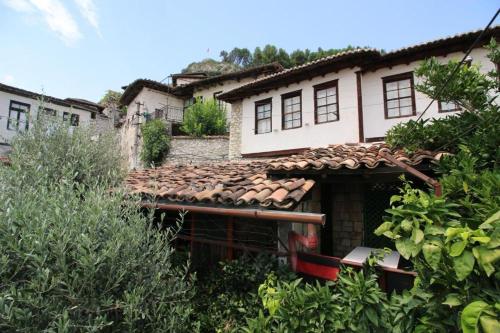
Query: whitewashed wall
(310,134)
(375,124)
(6,135)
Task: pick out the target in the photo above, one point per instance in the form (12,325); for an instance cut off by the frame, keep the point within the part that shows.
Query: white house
(354,96)
(151,99)
(19,107)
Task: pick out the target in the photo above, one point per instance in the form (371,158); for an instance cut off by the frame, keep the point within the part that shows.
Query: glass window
(399,96)
(18,116)
(326,102)
(263,114)
(448,107)
(75,119)
(292,110)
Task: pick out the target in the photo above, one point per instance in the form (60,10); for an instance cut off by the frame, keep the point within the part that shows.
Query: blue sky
(81,48)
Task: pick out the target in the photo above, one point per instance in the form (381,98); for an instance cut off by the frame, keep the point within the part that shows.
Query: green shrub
(205,118)
(75,257)
(226,296)
(156,142)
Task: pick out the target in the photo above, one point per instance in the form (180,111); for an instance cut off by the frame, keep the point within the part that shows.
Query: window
(448,107)
(399,96)
(18,116)
(75,119)
(158,113)
(263,116)
(93,115)
(66,116)
(46,111)
(291,105)
(326,102)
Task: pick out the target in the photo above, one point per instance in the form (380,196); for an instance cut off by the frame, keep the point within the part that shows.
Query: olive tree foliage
(74,255)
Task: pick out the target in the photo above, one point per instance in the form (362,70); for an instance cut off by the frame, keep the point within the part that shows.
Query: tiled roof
(351,157)
(230,183)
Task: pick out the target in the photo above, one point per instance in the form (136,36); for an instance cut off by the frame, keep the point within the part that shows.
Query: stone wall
(347,217)
(235,130)
(186,149)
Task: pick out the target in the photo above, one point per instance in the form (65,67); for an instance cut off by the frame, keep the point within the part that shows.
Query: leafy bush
(228,295)
(354,303)
(75,257)
(156,142)
(205,118)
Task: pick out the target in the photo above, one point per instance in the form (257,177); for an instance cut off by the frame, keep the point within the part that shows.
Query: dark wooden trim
(19,110)
(361,126)
(284,152)
(399,77)
(375,139)
(321,86)
(259,103)
(286,96)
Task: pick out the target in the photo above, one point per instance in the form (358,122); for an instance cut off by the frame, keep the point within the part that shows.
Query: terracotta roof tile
(230,183)
(349,156)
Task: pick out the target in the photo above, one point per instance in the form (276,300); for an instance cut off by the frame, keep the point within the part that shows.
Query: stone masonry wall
(235,131)
(347,218)
(185,149)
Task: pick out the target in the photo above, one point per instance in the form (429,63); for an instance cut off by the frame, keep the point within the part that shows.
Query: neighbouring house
(307,178)
(148,99)
(18,108)
(353,96)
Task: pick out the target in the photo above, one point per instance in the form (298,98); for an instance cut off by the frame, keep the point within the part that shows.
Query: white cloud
(19,5)
(89,12)
(54,14)
(8,79)
(58,19)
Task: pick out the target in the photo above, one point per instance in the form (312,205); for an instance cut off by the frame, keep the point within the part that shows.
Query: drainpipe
(309,242)
(438,189)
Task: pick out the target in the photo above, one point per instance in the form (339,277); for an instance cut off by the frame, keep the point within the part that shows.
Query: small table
(359,255)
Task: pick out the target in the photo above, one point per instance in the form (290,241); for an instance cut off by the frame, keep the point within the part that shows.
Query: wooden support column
(230,239)
(192,237)
(361,125)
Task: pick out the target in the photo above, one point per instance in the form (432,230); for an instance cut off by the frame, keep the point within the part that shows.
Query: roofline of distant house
(133,89)
(69,102)
(365,59)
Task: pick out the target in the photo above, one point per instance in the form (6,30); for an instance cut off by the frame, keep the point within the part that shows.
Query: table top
(359,255)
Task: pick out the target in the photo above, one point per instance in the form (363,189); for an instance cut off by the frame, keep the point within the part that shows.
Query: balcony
(173,114)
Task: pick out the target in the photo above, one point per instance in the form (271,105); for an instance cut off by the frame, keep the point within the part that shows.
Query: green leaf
(486,258)
(434,230)
(457,248)
(407,248)
(489,324)
(386,226)
(417,235)
(492,219)
(452,300)
(470,316)
(432,254)
(463,265)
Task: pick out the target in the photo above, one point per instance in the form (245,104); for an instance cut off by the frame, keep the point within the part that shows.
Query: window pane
(405,102)
(296,115)
(392,94)
(391,86)
(321,101)
(332,116)
(288,117)
(296,107)
(332,108)
(321,93)
(322,118)
(288,101)
(296,123)
(22,121)
(405,92)
(296,99)
(392,104)
(267,114)
(331,100)
(331,92)
(393,113)
(404,83)
(322,110)
(406,111)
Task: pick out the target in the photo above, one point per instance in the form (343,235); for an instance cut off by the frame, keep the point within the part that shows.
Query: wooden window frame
(394,78)
(46,111)
(11,108)
(286,96)
(257,104)
(323,86)
(72,121)
(440,108)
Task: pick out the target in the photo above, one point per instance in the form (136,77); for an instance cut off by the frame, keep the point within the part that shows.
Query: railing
(170,113)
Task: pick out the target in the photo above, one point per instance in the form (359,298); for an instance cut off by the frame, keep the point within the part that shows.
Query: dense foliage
(205,117)
(226,296)
(156,142)
(111,98)
(75,257)
(240,58)
(453,240)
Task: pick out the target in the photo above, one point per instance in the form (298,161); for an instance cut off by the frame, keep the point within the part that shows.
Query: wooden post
(191,250)
(230,229)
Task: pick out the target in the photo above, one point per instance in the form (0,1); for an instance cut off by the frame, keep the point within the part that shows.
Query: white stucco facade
(8,99)
(346,129)
(310,134)
(375,123)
